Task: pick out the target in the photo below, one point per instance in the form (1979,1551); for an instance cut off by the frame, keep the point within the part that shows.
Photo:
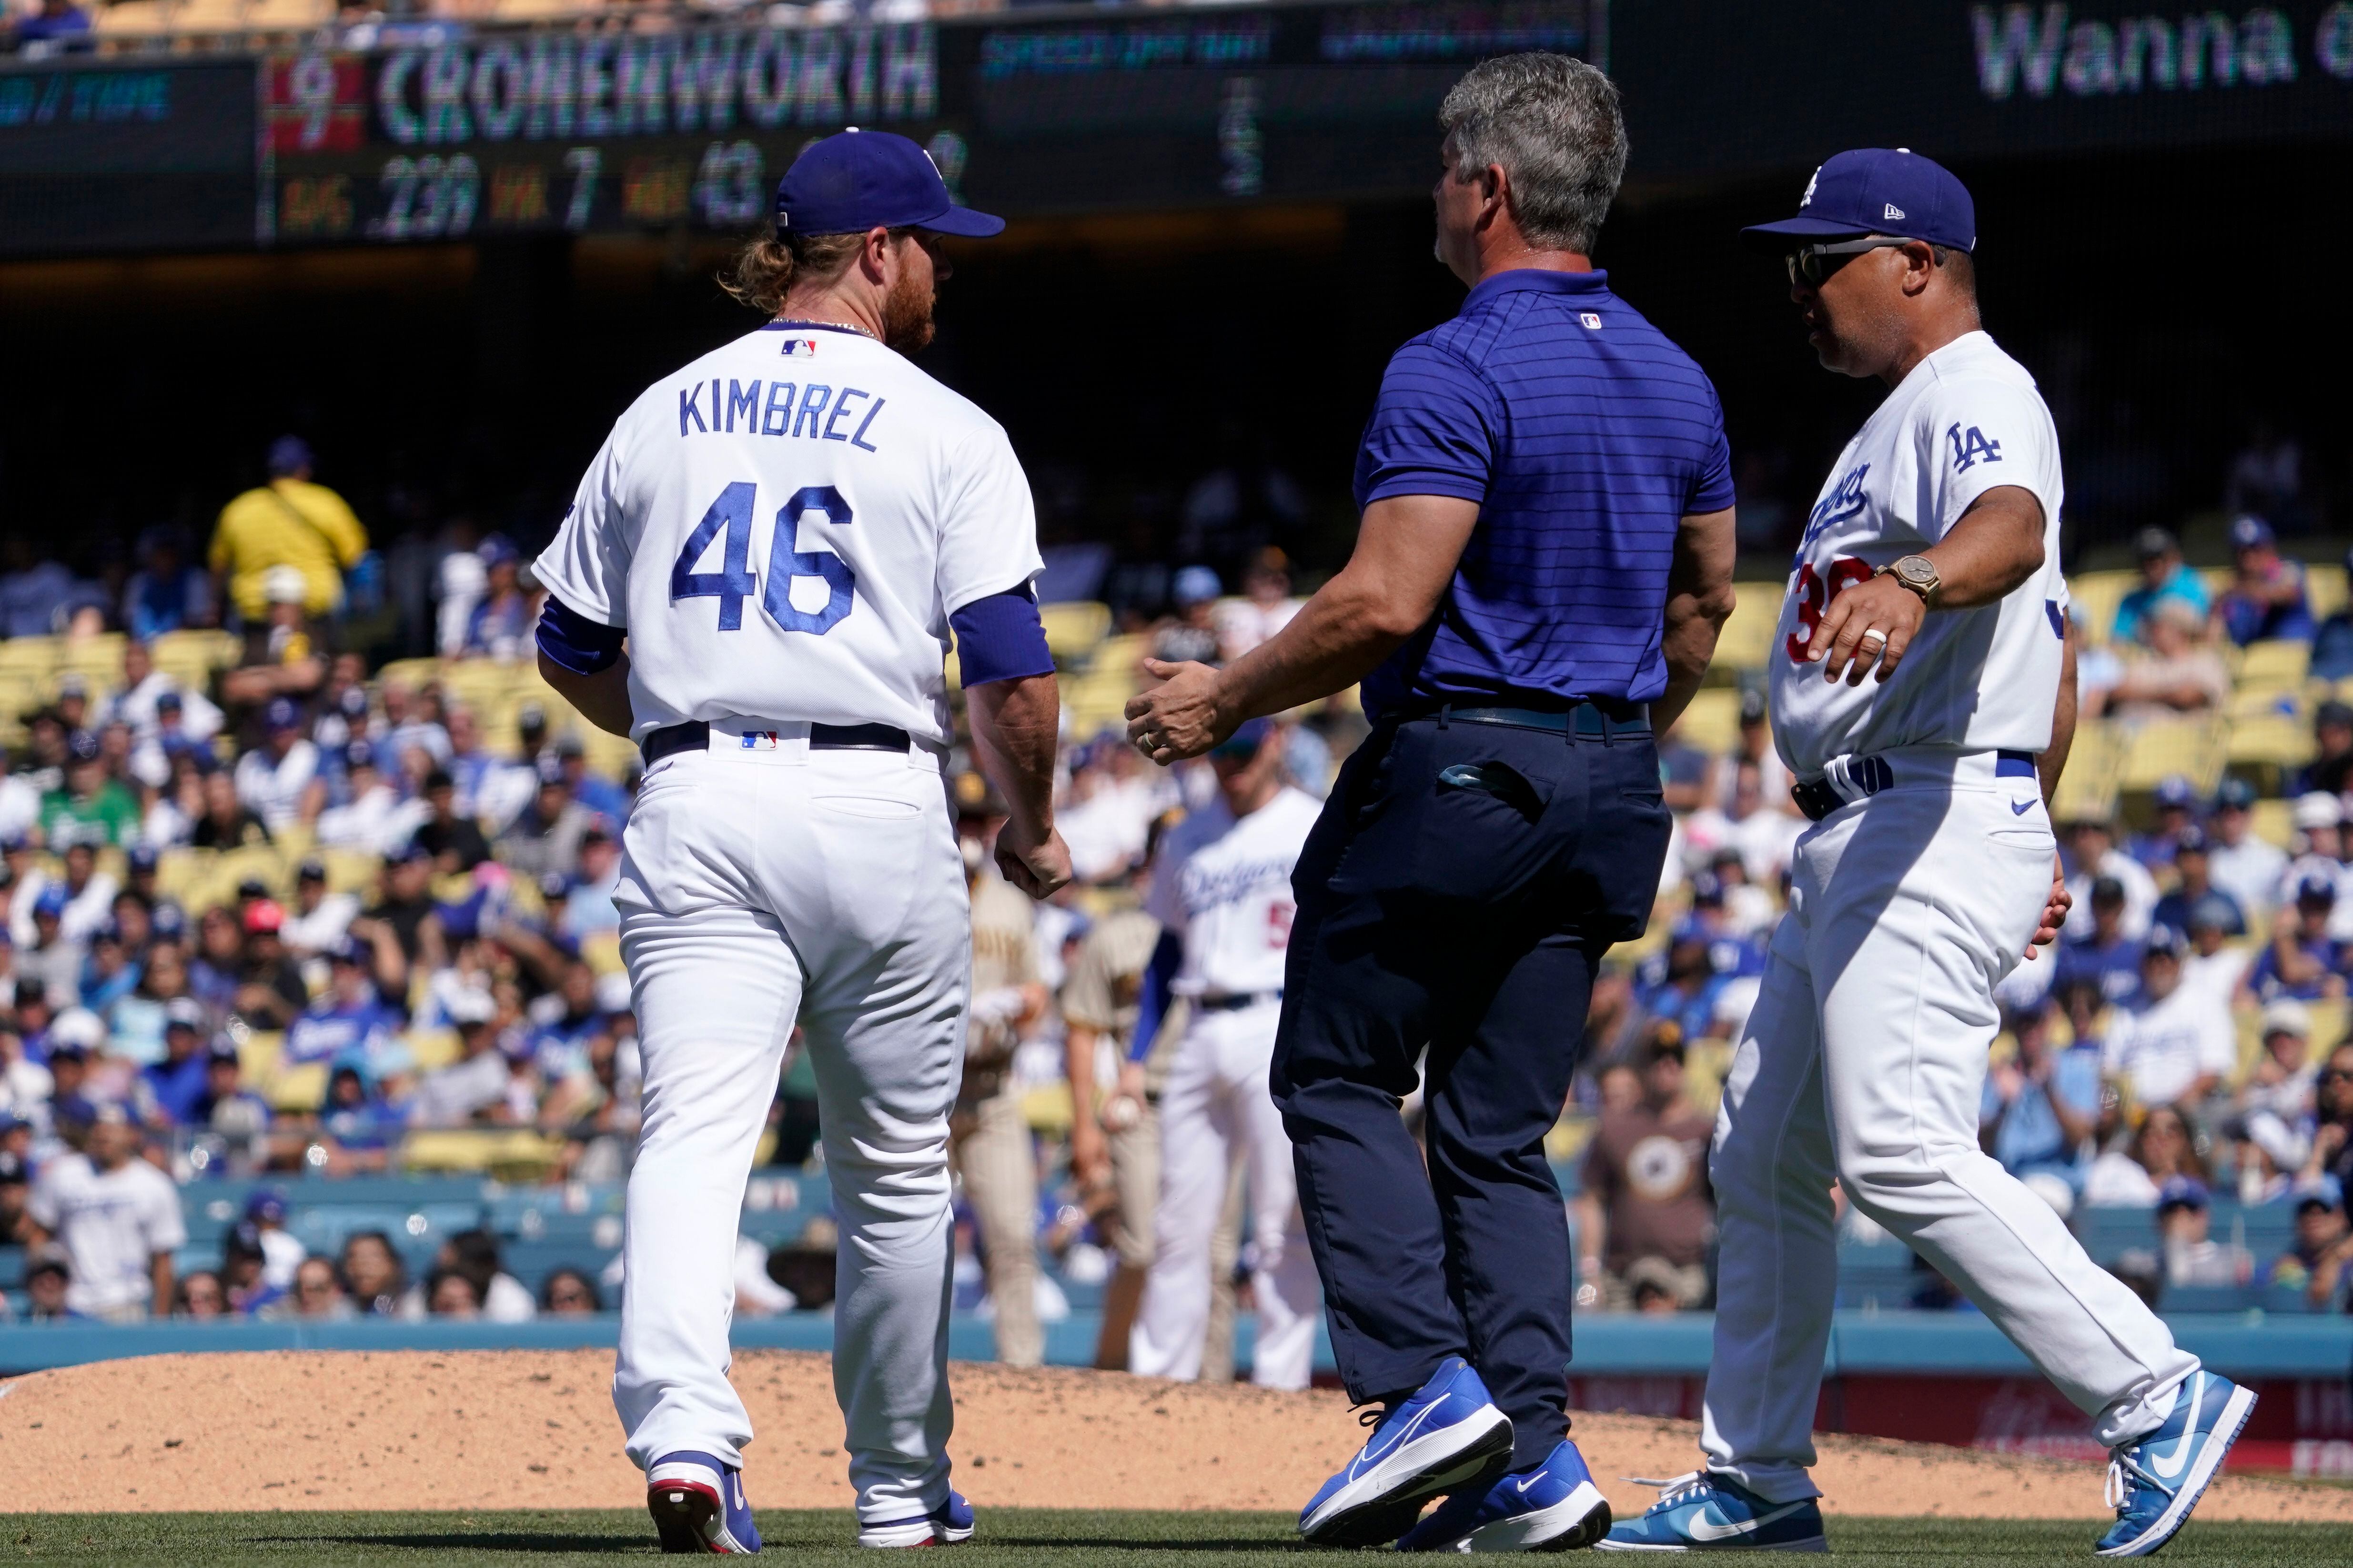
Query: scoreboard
(546,132)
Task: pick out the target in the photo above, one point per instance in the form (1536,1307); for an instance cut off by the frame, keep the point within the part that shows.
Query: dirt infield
(529,1429)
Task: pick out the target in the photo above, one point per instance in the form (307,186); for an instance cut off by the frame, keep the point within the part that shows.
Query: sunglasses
(1813,263)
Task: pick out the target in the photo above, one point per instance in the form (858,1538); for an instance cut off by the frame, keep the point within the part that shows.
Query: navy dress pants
(1461,885)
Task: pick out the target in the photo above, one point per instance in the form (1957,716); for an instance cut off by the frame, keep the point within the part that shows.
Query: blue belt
(1818,799)
(1591,718)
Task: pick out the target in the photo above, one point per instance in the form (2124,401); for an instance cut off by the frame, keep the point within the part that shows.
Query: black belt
(1871,775)
(1593,719)
(695,735)
(1235,1000)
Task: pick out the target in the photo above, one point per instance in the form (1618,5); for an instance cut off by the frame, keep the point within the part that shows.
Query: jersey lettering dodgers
(1966,420)
(1223,885)
(785,527)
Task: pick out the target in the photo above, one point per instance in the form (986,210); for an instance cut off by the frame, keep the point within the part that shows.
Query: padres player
(1924,699)
(1221,892)
(786,529)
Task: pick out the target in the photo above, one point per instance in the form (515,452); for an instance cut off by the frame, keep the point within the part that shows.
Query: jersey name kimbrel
(1967,420)
(804,509)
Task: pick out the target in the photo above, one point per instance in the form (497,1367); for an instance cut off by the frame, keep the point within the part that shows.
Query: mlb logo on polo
(1592,322)
(805,348)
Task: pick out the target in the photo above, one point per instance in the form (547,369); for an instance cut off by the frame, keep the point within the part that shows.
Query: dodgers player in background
(785,530)
(1922,696)
(1221,892)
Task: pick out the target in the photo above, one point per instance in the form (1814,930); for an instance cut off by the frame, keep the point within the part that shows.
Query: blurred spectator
(1265,607)
(92,807)
(569,1293)
(2103,956)
(489,789)
(474,1256)
(1755,744)
(455,1095)
(2182,672)
(283,655)
(282,1253)
(274,780)
(16,1187)
(1684,769)
(2265,599)
(226,822)
(374,817)
(138,704)
(2163,578)
(2316,1260)
(2168,1043)
(500,625)
(2332,645)
(412,722)
(35,595)
(2321,833)
(1192,633)
(319,919)
(2242,865)
(2266,478)
(2089,853)
(2331,768)
(545,840)
(229,1108)
(2040,1110)
(170,1090)
(2163,1147)
(1748,825)
(598,793)
(454,842)
(1645,1187)
(58,26)
(2332,1139)
(2194,896)
(2192,1256)
(169,592)
(373,1279)
(316,1294)
(588,906)
(290,521)
(451,1293)
(199,1297)
(270,990)
(1114,798)
(48,1290)
(2213,964)
(363,1123)
(2301,960)
(116,1218)
(405,907)
(2283,1079)
(2176,799)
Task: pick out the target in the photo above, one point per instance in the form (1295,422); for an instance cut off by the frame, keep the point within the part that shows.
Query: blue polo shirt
(1584,437)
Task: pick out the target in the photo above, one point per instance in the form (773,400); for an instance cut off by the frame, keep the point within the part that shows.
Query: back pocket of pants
(880,807)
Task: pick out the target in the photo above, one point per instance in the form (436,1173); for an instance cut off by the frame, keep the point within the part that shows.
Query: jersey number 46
(735,582)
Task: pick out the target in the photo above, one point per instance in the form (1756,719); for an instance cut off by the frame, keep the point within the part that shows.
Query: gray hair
(1552,123)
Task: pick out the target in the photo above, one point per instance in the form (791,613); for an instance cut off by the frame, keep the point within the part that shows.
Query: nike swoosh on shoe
(1701,1530)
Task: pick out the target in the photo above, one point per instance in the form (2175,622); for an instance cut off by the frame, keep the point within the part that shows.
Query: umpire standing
(1543,563)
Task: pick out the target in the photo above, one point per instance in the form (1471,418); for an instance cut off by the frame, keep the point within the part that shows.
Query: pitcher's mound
(519,1429)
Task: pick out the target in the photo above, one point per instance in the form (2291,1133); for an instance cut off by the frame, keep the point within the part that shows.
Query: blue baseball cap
(2182,1192)
(2250,534)
(1876,190)
(1247,737)
(281,715)
(2175,792)
(288,454)
(857,180)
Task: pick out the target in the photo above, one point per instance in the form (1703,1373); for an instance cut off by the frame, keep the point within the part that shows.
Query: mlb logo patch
(802,348)
(760,740)
(1592,322)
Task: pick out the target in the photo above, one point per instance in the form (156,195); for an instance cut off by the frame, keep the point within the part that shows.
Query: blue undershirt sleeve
(1152,1006)
(573,642)
(1000,638)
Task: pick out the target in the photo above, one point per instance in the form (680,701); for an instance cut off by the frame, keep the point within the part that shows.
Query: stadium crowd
(272,911)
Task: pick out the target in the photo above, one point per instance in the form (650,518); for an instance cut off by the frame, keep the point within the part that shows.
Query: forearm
(1699,601)
(160,1277)
(1338,639)
(1014,732)
(1079,1068)
(1994,548)
(2053,763)
(603,697)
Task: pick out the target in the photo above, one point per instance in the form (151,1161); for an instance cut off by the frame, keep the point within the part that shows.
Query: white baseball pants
(1217,1103)
(759,886)
(1864,1059)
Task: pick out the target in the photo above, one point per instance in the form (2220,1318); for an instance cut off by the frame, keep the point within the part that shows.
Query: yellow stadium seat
(1074,629)
(434,1048)
(2273,822)
(2088,790)
(1746,640)
(35,657)
(179,871)
(2264,700)
(98,658)
(2190,747)
(1123,653)
(414,673)
(2217,580)
(2098,594)
(350,870)
(513,1154)
(1712,722)
(214,648)
(257,860)
(2324,590)
(2271,739)
(2280,663)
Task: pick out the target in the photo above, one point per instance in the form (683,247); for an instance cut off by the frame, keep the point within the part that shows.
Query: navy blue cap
(2182,1193)
(2250,534)
(1247,737)
(1876,190)
(288,453)
(144,857)
(857,180)
(82,746)
(2176,793)
(2235,794)
(496,550)
(281,715)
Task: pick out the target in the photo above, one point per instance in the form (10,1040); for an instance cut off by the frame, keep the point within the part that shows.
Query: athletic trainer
(1923,694)
(1544,560)
(785,530)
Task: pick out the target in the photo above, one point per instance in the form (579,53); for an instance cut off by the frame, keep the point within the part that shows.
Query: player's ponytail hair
(767,267)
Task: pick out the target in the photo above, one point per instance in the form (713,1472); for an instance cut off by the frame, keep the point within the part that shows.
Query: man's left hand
(1871,622)
(1181,717)
(2054,909)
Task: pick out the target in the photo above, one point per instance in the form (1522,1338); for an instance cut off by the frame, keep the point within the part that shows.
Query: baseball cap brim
(966,222)
(1776,237)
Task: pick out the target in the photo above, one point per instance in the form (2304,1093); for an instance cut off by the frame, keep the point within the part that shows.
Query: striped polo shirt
(1584,436)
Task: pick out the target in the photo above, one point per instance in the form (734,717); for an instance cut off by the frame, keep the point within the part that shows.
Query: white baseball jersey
(1223,885)
(1967,420)
(785,527)
(112,1224)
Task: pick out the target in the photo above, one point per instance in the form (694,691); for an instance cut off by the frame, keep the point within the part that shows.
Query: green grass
(1008,1536)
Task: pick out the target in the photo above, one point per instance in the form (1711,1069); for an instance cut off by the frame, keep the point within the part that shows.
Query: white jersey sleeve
(989,525)
(1981,434)
(588,566)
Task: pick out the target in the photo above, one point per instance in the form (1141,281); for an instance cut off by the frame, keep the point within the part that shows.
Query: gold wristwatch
(1918,574)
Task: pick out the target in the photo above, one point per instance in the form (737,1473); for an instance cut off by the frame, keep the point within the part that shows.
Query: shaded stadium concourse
(2166,302)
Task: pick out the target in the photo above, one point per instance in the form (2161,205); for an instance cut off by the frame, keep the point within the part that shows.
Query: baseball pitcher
(786,529)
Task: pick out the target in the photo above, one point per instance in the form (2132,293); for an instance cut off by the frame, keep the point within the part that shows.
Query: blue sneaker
(944,1526)
(1701,1512)
(698,1504)
(1553,1508)
(2153,1484)
(1446,1438)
